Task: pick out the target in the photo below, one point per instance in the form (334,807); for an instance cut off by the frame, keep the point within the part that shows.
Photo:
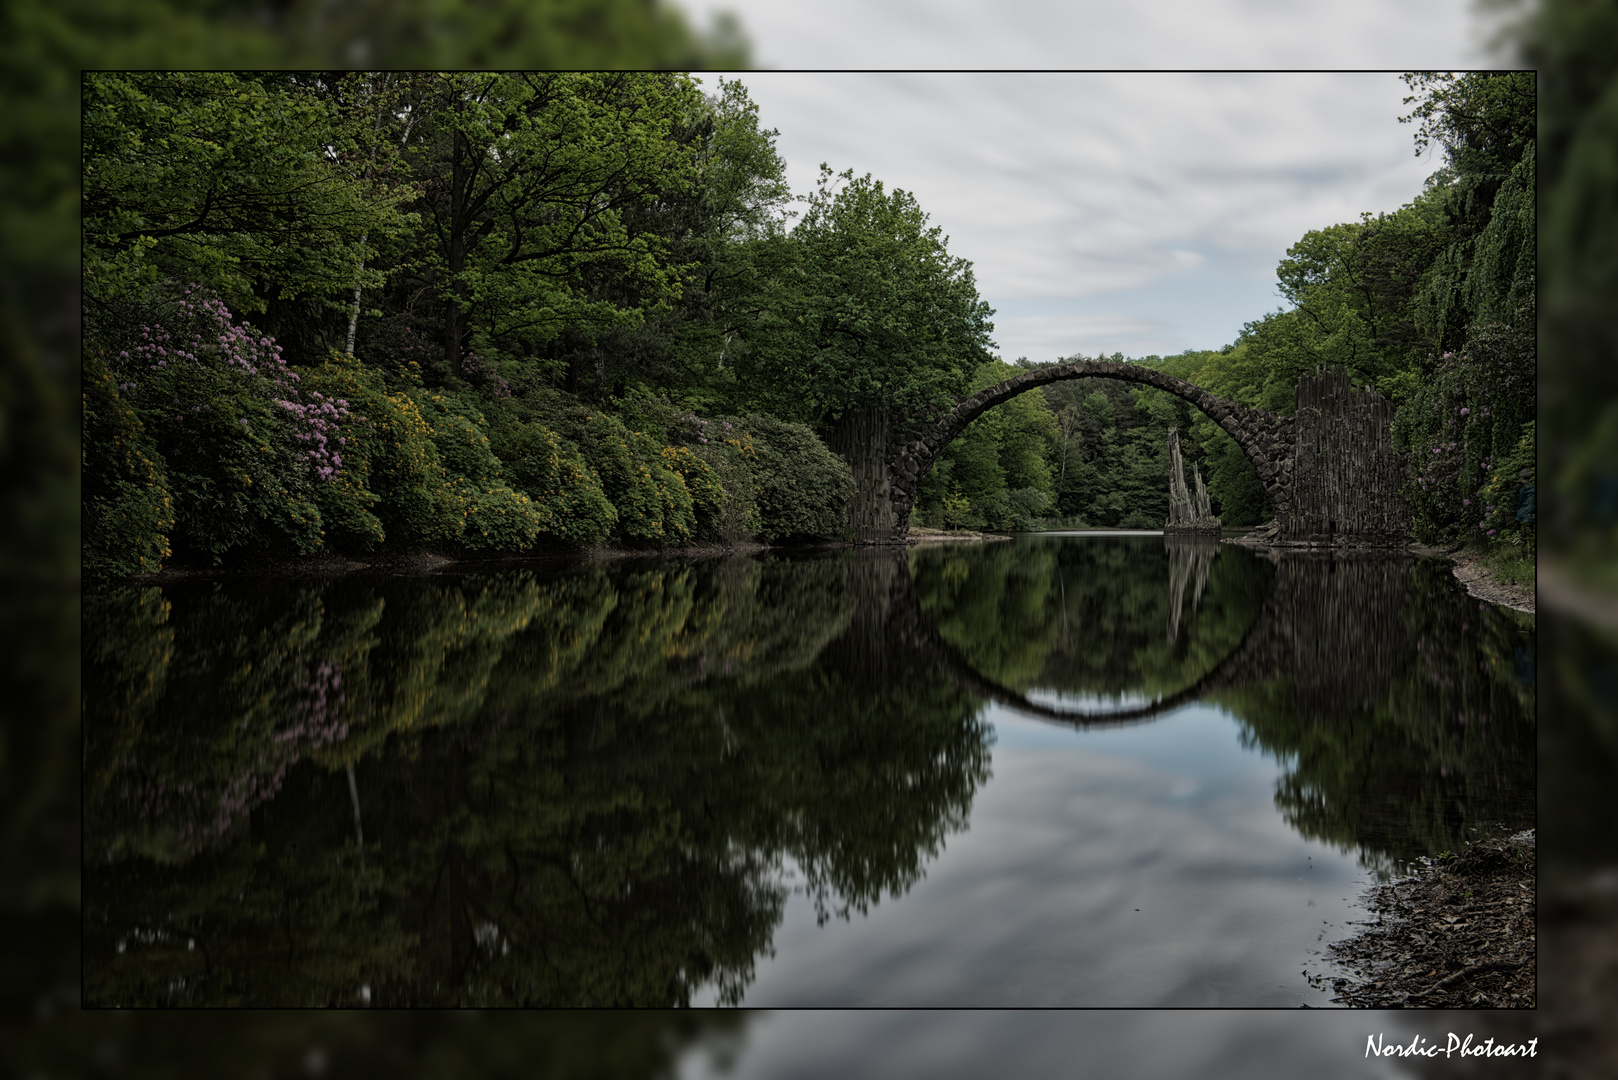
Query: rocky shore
(1459,934)
(1471,572)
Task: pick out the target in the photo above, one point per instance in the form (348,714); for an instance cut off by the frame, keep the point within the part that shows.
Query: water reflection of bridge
(1331,623)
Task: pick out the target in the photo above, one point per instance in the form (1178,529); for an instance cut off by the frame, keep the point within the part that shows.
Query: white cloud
(1052,337)
(1074,186)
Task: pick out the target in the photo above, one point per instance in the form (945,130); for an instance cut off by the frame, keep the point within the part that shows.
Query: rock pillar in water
(1190,513)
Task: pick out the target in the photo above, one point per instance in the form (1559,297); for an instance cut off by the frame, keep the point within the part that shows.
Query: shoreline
(1471,572)
(326,564)
(1458,934)
(1468,567)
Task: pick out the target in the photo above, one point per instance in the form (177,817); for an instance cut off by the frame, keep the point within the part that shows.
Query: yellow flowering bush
(566,492)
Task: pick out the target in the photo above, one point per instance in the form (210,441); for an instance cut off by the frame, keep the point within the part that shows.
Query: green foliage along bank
(201,441)
(482,314)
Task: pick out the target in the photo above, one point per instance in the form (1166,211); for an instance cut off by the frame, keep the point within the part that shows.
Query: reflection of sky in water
(1114,1045)
(1035,904)
(1095,703)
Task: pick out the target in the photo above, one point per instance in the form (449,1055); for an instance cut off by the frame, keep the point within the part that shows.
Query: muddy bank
(1460,934)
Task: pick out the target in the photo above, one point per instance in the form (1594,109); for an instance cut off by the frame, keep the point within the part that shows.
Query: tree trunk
(861,439)
(354,797)
(354,309)
(370,168)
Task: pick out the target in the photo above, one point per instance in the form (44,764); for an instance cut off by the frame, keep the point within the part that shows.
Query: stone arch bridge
(1330,469)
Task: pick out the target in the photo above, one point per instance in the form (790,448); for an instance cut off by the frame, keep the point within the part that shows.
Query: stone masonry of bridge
(1331,472)
(1265,438)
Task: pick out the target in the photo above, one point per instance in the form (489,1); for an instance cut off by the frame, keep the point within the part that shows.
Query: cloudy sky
(1140,212)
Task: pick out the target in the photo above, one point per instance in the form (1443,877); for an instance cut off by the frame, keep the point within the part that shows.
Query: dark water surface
(1060,770)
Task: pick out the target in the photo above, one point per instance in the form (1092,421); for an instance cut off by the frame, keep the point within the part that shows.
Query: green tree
(877,314)
(501,789)
(872,326)
(528,183)
(999,463)
(221,180)
(1484,121)
(43,49)
(721,233)
(1351,288)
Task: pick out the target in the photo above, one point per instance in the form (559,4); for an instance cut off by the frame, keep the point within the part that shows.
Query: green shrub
(715,458)
(1508,497)
(497,518)
(127,508)
(418,506)
(702,484)
(651,500)
(802,488)
(605,444)
(494,517)
(720,476)
(955,510)
(1016,510)
(239,438)
(1139,519)
(1028,506)
(678,512)
(567,493)
(347,503)
(461,434)
(995,511)
(393,487)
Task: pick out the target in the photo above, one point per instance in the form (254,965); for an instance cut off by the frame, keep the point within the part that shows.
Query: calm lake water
(1061,770)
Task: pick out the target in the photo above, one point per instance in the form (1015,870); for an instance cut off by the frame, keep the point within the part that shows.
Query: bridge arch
(1264,437)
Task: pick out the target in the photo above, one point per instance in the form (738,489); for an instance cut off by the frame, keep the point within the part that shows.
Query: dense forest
(494,313)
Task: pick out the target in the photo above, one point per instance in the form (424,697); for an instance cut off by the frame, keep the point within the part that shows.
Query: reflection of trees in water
(1090,618)
(1398,704)
(578,790)
(375,1044)
(585,788)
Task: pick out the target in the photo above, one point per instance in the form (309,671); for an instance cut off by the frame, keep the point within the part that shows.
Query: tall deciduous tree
(530,181)
(221,180)
(881,315)
(876,325)
(718,232)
